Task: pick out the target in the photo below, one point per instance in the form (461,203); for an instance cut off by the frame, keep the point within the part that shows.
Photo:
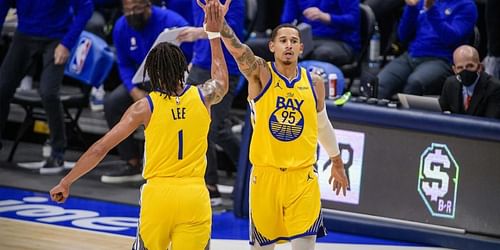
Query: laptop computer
(419,102)
(306,38)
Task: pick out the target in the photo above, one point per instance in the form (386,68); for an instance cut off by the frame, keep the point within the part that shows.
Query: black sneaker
(215,197)
(127,173)
(52,166)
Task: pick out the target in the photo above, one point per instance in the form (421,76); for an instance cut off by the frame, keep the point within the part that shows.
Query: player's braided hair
(165,66)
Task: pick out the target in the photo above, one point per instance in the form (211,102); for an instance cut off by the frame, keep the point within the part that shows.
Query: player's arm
(248,63)
(253,68)
(327,138)
(137,114)
(215,88)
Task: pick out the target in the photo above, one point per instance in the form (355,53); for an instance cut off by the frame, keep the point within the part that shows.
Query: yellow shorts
(284,204)
(174,212)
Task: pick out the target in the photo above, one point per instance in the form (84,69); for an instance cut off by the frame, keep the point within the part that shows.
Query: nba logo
(80,55)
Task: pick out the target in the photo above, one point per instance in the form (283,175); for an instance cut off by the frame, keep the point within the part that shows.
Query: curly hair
(165,66)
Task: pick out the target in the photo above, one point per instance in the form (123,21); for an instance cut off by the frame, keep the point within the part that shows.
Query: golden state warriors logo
(287,122)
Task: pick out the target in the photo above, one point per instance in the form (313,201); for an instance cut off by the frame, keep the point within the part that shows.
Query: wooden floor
(16,234)
(24,235)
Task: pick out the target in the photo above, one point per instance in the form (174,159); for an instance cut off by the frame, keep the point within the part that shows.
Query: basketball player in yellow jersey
(175,205)
(289,117)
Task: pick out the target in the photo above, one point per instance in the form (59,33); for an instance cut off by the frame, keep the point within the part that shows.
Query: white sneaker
(26,83)
(97,99)
(492,66)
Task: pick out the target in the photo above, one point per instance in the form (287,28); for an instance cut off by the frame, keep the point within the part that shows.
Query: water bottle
(374,53)
(332,86)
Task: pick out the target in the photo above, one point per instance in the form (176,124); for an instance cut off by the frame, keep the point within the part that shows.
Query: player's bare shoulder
(212,90)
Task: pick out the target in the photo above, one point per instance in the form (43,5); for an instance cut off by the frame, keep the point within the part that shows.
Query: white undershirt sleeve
(326,134)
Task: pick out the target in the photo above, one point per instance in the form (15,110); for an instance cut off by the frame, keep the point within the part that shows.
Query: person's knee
(323,54)
(333,56)
(49,96)
(386,85)
(415,84)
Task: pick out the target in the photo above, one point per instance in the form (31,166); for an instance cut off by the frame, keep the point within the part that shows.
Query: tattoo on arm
(227,32)
(248,63)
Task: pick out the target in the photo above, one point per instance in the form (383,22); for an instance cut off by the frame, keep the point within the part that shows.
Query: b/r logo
(438,180)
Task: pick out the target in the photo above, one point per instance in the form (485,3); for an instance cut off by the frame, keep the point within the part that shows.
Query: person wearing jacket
(433,30)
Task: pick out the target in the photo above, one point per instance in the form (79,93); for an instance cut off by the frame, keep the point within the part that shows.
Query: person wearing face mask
(133,35)
(471,90)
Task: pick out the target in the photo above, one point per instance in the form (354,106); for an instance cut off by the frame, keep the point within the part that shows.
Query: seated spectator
(433,30)
(133,35)
(471,91)
(47,30)
(335,28)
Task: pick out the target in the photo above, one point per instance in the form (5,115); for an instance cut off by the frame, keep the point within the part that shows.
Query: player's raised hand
(214,19)
(338,176)
(412,2)
(428,3)
(225,6)
(59,193)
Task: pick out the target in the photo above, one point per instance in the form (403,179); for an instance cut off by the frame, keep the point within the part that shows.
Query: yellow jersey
(176,136)
(285,124)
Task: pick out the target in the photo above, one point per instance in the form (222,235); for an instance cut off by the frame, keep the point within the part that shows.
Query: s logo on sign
(438,180)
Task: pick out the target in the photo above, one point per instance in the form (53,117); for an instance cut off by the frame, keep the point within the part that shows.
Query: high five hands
(427,3)
(214,14)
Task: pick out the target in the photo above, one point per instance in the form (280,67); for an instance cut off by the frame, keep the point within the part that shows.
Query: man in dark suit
(471,90)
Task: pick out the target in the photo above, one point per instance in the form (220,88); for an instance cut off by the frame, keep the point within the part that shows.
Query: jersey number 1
(180,153)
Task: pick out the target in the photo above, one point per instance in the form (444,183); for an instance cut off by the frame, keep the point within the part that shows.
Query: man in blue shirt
(47,30)
(335,28)
(220,132)
(471,91)
(133,35)
(433,29)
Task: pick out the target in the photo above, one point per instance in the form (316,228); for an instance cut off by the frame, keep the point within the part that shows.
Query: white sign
(351,146)
(168,35)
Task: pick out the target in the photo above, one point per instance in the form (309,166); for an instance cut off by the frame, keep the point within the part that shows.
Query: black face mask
(467,77)
(137,21)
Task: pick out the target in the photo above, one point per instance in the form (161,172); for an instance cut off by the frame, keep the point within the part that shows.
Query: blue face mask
(137,21)
(467,77)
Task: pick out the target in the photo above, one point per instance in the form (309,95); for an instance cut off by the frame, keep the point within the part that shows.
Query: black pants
(387,13)
(220,132)
(115,104)
(266,17)
(24,51)
(413,75)
(492,24)
(335,52)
